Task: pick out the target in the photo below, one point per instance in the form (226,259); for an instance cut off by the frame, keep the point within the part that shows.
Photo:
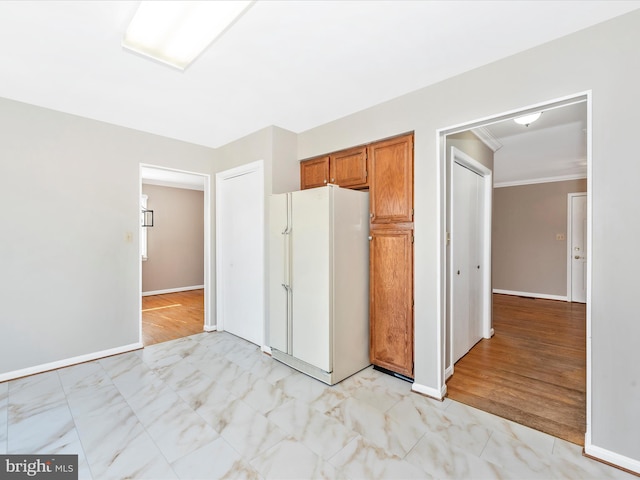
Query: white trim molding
(612,458)
(67,362)
(533,181)
(172,290)
(544,296)
(430,392)
(210,328)
(449,371)
(486,137)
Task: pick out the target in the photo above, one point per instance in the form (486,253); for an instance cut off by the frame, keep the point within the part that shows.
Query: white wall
(69,190)
(603,59)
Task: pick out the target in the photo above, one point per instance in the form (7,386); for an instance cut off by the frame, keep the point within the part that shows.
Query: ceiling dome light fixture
(527,120)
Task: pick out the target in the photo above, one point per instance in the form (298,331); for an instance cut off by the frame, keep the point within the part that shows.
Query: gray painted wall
(526,219)
(175,243)
(70,267)
(603,59)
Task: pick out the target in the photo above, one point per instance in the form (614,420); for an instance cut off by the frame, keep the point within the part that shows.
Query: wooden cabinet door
(314,172)
(348,168)
(391,299)
(391,180)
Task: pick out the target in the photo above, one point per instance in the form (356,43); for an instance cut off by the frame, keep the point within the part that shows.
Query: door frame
(252,167)
(570,197)
(443,204)
(467,161)
(207,242)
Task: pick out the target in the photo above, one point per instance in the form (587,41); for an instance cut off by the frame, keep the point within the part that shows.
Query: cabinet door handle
(325,180)
(333,180)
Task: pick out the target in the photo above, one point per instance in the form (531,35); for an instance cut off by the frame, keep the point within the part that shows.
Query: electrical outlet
(559,236)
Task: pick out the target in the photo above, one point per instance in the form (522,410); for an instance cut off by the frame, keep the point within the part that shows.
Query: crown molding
(531,181)
(486,137)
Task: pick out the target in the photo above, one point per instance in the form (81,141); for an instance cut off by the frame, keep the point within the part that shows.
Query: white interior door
(466,255)
(578,247)
(240,251)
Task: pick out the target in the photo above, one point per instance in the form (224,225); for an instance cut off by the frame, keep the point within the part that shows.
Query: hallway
(533,370)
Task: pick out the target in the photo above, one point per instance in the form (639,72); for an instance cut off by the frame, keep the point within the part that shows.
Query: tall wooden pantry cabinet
(385,168)
(391,254)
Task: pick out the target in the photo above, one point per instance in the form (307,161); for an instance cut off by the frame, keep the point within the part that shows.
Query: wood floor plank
(171,316)
(533,371)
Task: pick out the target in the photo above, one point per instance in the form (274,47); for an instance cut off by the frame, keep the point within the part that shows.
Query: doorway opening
(519,303)
(175,257)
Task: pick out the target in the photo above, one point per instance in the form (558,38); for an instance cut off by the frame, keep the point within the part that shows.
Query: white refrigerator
(319,281)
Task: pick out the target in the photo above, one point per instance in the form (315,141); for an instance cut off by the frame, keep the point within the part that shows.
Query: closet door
(466,252)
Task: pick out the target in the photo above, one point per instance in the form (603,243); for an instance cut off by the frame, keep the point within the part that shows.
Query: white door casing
(240,251)
(577,247)
(439,389)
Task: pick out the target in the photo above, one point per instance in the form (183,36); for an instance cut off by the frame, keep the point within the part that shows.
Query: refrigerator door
(310,276)
(279,272)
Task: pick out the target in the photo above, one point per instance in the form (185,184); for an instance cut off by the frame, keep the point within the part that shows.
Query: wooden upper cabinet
(391,180)
(348,168)
(391,299)
(314,172)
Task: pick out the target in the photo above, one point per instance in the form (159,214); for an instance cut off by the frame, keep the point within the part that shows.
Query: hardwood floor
(533,370)
(172,315)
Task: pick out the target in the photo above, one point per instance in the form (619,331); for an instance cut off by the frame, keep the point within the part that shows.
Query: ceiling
(294,64)
(553,147)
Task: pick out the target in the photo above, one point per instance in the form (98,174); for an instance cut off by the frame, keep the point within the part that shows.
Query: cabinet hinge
(412,239)
(412,213)
(366,174)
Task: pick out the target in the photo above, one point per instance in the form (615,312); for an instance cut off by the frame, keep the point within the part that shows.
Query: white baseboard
(45,367)
(210,328)
(607,456)
(172,290)
(266,349)
(448,372)
(430,392)
(531,295)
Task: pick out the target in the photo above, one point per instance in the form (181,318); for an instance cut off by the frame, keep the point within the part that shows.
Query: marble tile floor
(214,406)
